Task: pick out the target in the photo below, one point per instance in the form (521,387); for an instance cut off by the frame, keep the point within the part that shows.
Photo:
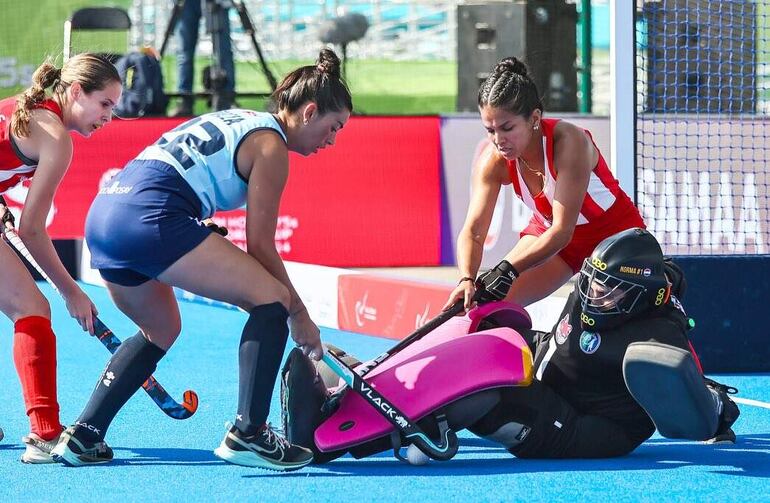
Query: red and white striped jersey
(603,189)
(15,167)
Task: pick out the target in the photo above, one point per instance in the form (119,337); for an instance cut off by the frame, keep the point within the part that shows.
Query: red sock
(34,353)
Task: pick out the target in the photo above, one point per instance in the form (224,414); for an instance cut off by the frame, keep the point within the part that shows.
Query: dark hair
(511,88)
(320,83)
(91,71)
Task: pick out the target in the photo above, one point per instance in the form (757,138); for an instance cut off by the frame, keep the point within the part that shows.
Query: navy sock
(126,371)
(259,356)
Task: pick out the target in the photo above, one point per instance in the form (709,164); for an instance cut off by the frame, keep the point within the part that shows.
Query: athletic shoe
(265,449)
(728,415)
(74,450)
(38,451)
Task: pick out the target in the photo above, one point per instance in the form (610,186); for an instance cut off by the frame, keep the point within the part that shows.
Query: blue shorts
(146,219)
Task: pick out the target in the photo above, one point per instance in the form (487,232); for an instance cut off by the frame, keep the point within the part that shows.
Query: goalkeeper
(617,365)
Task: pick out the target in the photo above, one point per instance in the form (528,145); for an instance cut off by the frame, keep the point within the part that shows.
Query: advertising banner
(95,160)
(387,307)
(703,184)
(372,200)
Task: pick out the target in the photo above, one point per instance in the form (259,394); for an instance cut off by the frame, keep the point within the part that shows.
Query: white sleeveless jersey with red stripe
(603,189)
(15,167)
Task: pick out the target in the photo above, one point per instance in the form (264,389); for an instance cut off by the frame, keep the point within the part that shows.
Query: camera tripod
(215,12)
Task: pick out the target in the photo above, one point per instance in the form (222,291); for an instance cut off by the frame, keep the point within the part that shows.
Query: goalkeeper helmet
(623,277)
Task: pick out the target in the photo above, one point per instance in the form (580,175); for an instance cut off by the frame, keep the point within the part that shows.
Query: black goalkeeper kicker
(448,444)
(153,388)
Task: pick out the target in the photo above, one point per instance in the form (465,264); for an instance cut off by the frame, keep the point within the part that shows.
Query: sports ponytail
(320,83)
(92,72)
(46,75)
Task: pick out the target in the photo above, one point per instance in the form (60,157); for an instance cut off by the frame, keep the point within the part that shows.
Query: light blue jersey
(203,150)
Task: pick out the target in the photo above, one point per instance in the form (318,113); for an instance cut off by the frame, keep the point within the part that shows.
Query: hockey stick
(442,451)
(153,388)
(418,334)
(749,401)
(364,368)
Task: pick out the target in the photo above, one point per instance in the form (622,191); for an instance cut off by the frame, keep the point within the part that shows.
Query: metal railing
(288,29)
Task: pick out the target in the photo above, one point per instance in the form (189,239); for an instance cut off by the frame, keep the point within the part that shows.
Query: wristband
(466,278)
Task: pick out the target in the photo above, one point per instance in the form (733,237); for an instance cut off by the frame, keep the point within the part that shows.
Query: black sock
(126,371)
(259,356)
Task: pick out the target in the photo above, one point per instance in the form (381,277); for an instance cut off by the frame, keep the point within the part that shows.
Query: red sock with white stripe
(34,353)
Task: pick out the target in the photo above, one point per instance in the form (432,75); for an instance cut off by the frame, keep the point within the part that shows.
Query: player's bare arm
(54,151)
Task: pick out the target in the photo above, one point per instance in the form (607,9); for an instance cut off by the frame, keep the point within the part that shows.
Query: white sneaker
(38,451)
(265,449)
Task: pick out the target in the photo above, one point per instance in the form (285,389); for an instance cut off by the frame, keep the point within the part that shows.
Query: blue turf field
(160,459)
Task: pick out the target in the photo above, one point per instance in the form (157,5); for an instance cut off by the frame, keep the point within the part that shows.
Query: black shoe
(730,413)
(74,450)
(265,449)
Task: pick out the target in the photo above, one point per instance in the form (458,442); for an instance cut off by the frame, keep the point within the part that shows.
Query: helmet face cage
(610,295)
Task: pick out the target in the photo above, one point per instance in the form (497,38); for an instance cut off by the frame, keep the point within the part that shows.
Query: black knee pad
(510,421)
(668,385)
(469,410)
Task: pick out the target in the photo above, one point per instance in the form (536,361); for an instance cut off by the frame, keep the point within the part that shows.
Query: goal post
(690,126)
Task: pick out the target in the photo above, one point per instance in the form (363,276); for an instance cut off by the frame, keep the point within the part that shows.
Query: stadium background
(696,161)
(393,192)
(700,136)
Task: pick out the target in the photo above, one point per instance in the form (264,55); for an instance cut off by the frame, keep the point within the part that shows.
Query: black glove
(495,283)
(7,215)
(222,231)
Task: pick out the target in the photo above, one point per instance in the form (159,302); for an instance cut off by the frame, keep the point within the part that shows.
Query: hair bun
(512,64)
(328,62)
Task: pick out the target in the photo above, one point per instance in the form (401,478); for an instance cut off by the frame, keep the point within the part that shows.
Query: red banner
(109,149)
(371,200)
(387,307)
(374,199)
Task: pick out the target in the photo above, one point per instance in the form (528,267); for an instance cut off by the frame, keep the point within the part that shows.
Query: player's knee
(165,335)
(283,296)
(32,304)
(265,292)
(507,432)
(173,329)
(275,292)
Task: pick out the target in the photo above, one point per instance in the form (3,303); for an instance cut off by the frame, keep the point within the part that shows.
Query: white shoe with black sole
(265,449)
